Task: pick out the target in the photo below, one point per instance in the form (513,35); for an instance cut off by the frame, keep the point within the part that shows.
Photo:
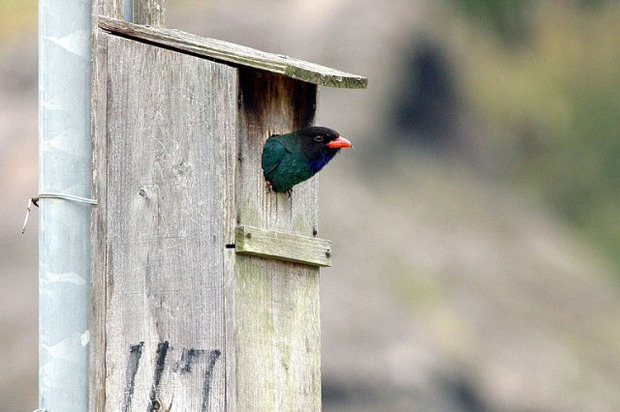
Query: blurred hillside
(553,100)
(475,225)
(18,181)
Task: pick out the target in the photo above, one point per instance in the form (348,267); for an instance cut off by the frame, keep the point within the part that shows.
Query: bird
(289,159)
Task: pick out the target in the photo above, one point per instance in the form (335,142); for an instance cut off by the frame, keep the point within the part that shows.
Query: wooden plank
(149,12)
(97,361)
(276,304)
(278,336)
(170,124)
(99,258)
(284,246)
(239,55)
(273,104)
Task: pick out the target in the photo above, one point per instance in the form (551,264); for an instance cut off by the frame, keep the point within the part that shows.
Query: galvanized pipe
(128,10)
(64,225)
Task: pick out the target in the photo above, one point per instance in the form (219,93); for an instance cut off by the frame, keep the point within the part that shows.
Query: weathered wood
(283,246)
(276,303)
(150,12)
(97,365)
(110,8)
(273,104)
(182,317)
(233,53)
(278,337)
(165,159)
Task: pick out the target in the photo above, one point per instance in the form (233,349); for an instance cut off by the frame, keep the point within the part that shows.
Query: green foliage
(511,18)
(17,17)
(506,17)
(559,98)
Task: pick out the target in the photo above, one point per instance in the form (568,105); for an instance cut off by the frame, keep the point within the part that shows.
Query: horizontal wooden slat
(233,53)
(284,246)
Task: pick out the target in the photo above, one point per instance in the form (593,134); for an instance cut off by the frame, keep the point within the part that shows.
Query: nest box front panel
(273,104)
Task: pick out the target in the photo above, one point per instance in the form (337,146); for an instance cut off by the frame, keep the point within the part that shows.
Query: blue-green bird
(291,158)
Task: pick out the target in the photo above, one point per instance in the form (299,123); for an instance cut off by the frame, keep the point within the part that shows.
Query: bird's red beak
(339,143)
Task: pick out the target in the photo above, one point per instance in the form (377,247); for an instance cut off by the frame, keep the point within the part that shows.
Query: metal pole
(128,10)
(64,225)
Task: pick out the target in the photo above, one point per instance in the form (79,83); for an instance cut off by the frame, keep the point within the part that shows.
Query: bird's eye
(319,139)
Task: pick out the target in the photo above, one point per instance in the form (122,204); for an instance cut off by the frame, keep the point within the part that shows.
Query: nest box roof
(233,53)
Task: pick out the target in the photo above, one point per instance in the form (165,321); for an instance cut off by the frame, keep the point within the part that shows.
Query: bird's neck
(318,162)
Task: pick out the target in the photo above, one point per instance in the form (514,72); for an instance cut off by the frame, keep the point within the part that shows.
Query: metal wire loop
(35,201)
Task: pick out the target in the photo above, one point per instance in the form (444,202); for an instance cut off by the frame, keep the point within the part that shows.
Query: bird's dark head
(320,145)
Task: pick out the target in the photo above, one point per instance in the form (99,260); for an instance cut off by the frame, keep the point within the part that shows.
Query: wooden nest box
(205,286)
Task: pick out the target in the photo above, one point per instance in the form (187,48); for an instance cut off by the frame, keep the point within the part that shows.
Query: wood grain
(276,303)
(170,126)
(110,8)
(277,336)
(149,12)
(97,366)
(283,246)
(233,53)
(180,320)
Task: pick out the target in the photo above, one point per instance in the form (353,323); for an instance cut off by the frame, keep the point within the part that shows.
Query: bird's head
(320,145)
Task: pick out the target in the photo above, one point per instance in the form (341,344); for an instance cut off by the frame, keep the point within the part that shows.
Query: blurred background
(476,225)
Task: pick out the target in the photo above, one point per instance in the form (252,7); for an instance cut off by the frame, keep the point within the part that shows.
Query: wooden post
(110,8)
(205,285)
(150,12)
